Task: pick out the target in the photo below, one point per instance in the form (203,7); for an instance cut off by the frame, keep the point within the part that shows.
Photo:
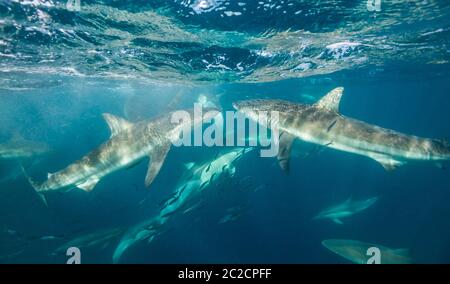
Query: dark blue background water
(61,69)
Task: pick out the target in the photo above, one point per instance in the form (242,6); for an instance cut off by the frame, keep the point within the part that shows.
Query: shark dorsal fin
(331,100)
(116,124)
(17,137)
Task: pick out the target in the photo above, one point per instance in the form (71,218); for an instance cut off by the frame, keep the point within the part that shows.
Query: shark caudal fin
(35,186)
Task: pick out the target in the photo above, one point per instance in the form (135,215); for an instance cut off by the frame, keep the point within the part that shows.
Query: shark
(128,144)
(21,148)
(322,123)
(152,227)
(346,209)
(360,252)
(233,213)
(16,151)
(197,179)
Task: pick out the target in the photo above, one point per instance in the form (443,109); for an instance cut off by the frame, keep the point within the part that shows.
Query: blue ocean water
(61,68)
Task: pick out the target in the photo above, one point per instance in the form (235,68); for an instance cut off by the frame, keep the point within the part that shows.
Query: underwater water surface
(62,68)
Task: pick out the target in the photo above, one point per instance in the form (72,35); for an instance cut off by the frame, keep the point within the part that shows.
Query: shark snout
(245,106)
(237,105)
(257,105)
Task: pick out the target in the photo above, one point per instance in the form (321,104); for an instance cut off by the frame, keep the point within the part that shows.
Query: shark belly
(338,215)
(388,147)
(385,151)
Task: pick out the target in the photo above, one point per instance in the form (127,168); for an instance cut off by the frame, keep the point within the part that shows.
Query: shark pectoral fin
(89,184)
(284,151)
(156,161)
(331,100)
(116,124)
(231,171)
(337,221)
(388,163)
(150,239)
(388,167)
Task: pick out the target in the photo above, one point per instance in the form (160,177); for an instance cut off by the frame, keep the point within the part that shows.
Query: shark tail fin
(34,185)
